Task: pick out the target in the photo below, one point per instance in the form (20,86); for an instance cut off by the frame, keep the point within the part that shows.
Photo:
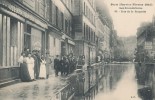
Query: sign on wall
(148,45)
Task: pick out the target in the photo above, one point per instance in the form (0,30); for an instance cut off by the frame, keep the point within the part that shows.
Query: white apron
(42,73)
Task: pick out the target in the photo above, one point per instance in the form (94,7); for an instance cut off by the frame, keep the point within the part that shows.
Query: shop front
(11,31)
(90,53)
(67,46)
(18,30)
(34,38)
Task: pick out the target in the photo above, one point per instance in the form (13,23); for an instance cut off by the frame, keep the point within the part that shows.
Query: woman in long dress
(42,74)
(22,67)
(30,66)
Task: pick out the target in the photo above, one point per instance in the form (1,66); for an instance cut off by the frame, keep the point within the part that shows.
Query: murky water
(119,83)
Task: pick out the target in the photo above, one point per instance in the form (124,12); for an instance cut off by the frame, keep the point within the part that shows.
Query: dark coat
(56,64)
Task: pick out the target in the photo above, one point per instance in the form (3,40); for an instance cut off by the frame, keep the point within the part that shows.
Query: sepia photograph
(77,49)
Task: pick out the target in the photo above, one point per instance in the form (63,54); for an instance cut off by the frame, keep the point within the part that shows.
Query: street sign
(148,45)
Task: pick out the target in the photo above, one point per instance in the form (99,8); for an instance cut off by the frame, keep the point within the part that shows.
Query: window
(48,10)
(91,36)
(66,25)
(53,14)
(29,3)
(89,33)
(13,33)
(72,5)
(84,8)
(27,36)
(54,42)
(51,11)
(62,20)
(10,40)
(69,25)
(89,14)
(86,11)
(94,37)
(40,7)
(84,30)
(94,19)
(56,16)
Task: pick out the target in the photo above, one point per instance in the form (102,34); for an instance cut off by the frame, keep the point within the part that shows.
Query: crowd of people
(65,65)
(35,66)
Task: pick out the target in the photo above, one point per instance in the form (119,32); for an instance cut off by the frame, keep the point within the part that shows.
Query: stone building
(44,25)
(84,29)
(146,42)
(57,27)
(60,39)
(22,25)
(103,33)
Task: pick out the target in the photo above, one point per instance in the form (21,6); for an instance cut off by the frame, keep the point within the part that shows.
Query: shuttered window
(11,33)
(53,14)
(56,16)
(62,19)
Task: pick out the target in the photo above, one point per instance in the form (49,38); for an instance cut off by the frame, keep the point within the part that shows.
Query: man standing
(35,63)
(38,64)
(48,64)
(56,65)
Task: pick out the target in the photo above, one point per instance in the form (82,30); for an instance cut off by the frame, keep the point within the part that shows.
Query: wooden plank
(8,41)
(1,40)
(4,40)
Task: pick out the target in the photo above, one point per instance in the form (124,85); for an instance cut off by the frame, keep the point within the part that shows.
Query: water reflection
(119,83)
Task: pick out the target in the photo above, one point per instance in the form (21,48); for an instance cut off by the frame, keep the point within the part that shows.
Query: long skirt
(31,70)
(42,73)
(48,69)
(24,73)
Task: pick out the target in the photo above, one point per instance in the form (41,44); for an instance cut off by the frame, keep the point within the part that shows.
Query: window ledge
(7,67)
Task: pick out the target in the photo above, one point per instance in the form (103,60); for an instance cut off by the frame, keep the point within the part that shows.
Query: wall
(38,6)
(54,46)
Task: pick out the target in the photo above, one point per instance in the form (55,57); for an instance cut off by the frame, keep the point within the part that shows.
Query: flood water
(119,83)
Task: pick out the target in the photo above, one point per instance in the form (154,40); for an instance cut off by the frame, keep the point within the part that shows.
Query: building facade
(57,27)
(43,25)
(103,32)
(84,29)
(146,43)
(22,26)
(60,39)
